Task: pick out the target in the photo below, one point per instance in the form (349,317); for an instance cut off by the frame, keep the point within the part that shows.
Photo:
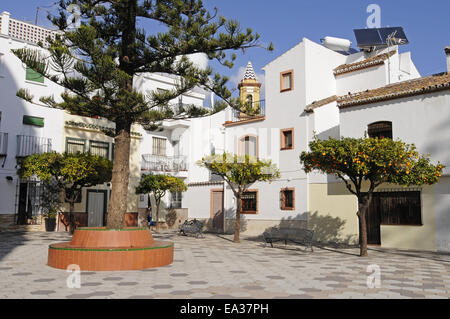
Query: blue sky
(286,22)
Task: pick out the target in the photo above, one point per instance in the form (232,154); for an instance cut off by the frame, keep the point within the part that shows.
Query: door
(374,219)
(96,207)
(217,210)
(24,207)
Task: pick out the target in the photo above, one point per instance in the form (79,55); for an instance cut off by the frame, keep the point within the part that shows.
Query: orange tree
(240,172)
(371,161)
(67,172)
(159,185)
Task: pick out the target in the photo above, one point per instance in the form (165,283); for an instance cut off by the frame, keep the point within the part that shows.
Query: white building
(310,89)
(25,128)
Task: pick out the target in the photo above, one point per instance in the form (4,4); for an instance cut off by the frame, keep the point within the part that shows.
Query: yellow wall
(414,237)
(92,134)
(249,85)
(331,205)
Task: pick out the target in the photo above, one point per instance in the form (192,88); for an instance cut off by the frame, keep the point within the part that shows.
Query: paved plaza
(214,267)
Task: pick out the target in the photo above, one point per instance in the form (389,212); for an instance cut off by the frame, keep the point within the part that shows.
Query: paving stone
(162,286)
(42,292)
(44,280)
(91,284)
(217,268)
(179,275)
(112,278)
(197,282)
(127,283)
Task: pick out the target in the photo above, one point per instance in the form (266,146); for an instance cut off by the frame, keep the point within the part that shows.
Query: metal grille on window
(99,148)
(249,202)
(175,201)
(75,146)
(159,146)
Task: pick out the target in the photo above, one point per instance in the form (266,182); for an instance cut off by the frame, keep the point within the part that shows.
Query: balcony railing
(255,111)
(3,144)
(29,145)
(159,163)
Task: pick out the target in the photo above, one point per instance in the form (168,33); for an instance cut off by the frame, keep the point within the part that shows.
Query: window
(175,199)
(249,99)
(286,81)
(399,208)
(159,146)
(287,198)
(32,120)
(32,75)
(248,145)
(380,129)
(287,139)
(75,145)
(249,202)
(99,148)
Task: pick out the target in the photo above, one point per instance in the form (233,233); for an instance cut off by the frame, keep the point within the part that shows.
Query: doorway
(96,207)
(217,215)
(29,203)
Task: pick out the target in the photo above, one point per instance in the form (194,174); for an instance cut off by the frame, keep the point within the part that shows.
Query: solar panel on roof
(380,37)
(397,33)
(367,37)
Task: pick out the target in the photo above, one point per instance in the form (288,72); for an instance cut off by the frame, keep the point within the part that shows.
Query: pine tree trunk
(120,178)
(237,222)
(362,217)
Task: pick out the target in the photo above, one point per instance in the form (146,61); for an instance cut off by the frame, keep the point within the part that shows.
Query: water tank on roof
(336,44)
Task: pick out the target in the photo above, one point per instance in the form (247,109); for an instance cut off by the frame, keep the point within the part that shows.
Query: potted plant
(50,219)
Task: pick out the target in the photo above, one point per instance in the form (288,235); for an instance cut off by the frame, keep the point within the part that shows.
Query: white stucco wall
(12,78)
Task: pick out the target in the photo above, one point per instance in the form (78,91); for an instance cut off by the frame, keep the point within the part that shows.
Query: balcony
(256,112)
(29,145)
(3,144)
(159,163)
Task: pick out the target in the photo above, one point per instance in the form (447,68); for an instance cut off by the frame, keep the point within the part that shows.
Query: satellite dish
(379,38)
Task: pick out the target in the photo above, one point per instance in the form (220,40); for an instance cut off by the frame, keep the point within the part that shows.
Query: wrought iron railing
(3,144)
(159,163)
(251,111)
(29,145)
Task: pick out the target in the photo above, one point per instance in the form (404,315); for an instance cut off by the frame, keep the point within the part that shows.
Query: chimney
(5,22)
(447,52)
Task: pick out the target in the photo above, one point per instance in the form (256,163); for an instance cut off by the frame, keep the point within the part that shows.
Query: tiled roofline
(364,64)
(392,96)
(442,82)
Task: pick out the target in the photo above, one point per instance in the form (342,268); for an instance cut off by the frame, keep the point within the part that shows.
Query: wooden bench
(192,227)
(296,235)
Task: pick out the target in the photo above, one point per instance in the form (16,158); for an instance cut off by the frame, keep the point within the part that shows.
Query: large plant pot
(98,248)
(50,224)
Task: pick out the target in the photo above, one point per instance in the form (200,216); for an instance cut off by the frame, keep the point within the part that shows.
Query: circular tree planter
(99,248)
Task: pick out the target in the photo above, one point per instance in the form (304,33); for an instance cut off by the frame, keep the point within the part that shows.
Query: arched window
(250,99)
(248,145)
(382,129)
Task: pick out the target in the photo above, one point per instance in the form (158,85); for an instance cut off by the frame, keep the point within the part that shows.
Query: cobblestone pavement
(214,267)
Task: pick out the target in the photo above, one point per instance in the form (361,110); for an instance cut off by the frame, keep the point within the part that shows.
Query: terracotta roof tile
(316,104)
(433,83)
(429,84)
(364,64)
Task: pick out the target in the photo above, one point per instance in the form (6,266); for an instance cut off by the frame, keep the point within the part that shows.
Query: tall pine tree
(97,61)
